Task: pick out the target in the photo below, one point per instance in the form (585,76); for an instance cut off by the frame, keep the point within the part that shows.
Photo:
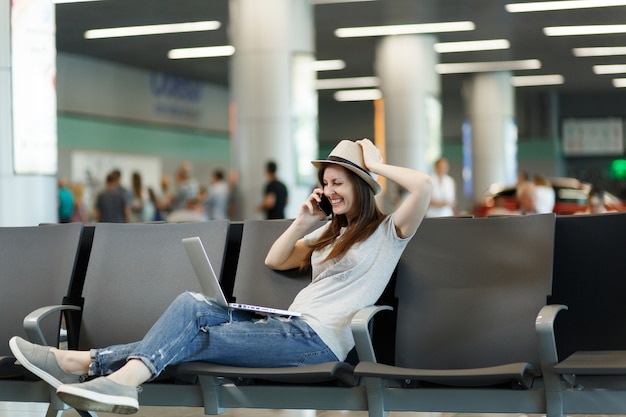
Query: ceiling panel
(523,30)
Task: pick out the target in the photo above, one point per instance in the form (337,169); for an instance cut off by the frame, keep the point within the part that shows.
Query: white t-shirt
(443,190)
(340,288)
(545,198)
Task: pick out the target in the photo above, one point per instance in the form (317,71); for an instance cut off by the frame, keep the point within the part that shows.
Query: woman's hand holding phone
(324,205)
(313,208)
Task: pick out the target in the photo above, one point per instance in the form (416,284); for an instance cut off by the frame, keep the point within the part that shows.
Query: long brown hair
(363,225)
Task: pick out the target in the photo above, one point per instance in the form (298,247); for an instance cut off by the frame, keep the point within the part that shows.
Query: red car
(570,193)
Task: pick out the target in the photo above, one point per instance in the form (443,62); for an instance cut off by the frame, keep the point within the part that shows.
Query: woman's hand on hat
(371,154)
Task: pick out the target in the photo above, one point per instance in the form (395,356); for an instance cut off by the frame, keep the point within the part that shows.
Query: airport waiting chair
(589,271)
(469,293)
(37,266)
(134,272)
(589,267)
(324,386)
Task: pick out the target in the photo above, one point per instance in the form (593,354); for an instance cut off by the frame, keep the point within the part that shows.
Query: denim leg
(195,328)
(176,326)
(108,360)
(269,342)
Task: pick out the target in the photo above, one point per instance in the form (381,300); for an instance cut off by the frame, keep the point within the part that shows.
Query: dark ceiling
(523,30)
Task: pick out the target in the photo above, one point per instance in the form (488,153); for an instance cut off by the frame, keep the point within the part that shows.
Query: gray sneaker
(41,361)
(100,394)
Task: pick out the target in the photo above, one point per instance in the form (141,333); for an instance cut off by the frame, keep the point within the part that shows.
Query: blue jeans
(194,328)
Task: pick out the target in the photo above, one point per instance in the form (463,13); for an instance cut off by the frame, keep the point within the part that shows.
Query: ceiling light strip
(201,52)
(329,65)
(536,80)
(599,51)
(609,69)
(152,29)
(358,95)
(341,83)
(619,82)
(543,6)
(468,67)
(472,46)
(583,30)
(364,31)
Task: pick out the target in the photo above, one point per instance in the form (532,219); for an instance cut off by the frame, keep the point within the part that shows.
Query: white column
(275,102)
(490,101)
(25,199)
(411,93)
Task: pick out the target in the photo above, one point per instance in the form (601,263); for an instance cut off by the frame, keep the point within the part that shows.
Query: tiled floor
(39,410)
(236,412)
(198,412)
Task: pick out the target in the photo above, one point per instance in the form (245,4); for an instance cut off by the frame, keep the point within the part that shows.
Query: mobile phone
(325,206)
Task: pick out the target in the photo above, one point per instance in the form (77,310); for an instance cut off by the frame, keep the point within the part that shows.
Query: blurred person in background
(192,212)
(275,196)
(111,203)
(522,176)
(80,213)
(545,194)
(187,186)
(443,200)
(163,201)
(527,198)
(137,199)
(65,201)
(595,202)
(217,200)
(128,195)
(499,208)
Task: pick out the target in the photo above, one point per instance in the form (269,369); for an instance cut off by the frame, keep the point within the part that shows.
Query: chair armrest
(548,356)
(32,321)
(544,325)
(361,332)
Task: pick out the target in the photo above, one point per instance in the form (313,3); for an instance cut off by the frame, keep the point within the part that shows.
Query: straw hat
(349,155)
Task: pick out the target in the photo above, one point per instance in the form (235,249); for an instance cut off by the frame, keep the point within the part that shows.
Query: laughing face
(339,189)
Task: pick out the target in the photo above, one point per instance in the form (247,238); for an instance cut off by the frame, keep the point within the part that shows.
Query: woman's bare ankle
(72,361)
(133,373)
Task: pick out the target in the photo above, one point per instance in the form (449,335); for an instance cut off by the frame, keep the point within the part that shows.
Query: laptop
(210,284)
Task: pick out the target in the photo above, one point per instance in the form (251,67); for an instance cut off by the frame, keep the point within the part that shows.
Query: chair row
(37,265)
(468,327)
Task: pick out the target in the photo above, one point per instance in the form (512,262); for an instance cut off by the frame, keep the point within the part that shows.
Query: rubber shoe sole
(100,394)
